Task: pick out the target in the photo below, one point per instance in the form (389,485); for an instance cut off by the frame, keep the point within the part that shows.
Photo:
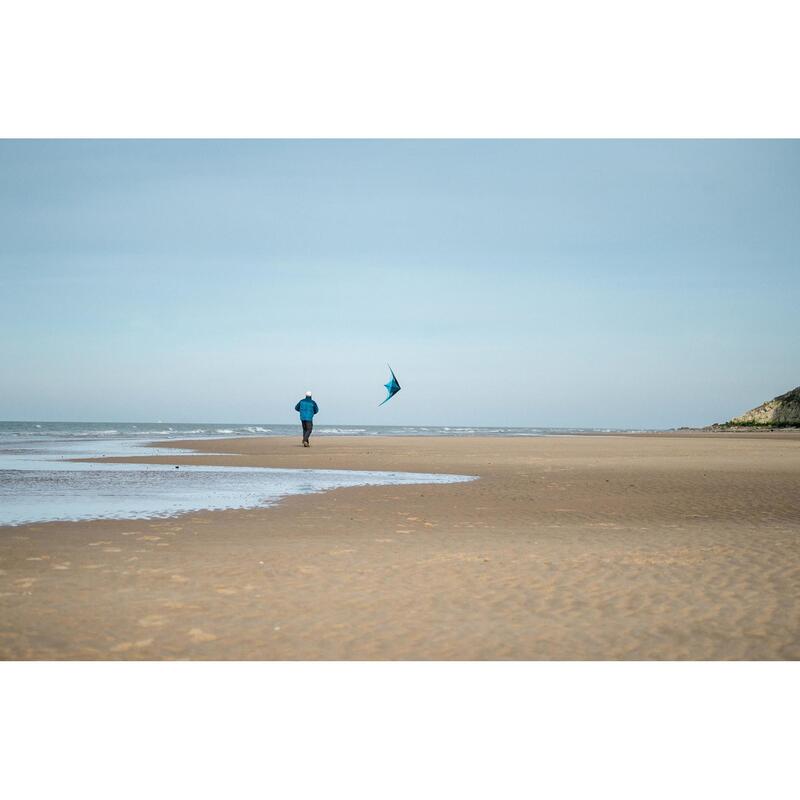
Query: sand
(590,547)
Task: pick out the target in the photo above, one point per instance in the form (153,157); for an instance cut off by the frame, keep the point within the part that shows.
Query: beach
(669,546)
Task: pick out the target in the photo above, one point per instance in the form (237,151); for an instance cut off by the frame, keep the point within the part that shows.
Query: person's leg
(308,433)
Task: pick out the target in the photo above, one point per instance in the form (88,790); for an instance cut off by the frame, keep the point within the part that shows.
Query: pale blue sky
(566,283)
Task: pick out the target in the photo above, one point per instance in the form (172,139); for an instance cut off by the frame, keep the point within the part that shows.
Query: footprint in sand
(384,540)
(227,590)
(152,621)
(179,578)
(65,565)
(123,647)
(97,544)
(112,549)
(199,635)
(403,530)
(146,539)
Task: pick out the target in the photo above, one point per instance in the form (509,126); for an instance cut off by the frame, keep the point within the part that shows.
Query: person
(307,408)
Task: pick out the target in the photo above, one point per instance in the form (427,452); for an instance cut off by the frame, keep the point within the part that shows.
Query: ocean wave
(102,432)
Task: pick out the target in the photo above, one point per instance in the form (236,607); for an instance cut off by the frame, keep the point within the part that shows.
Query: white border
(359,68)
(399,730)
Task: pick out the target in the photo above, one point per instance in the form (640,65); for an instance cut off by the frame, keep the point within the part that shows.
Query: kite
(393,387)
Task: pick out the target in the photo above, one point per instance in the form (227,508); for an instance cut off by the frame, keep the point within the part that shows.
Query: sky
(588,283)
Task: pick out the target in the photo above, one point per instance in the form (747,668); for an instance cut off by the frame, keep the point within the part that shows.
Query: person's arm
(316,407)
(297,407)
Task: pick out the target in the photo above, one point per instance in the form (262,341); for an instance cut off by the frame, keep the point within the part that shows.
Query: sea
(162,431)
(41,480)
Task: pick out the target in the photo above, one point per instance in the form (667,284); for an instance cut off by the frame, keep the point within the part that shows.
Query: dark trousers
(308,426)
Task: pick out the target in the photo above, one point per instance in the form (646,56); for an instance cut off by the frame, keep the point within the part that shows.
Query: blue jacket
(307,408)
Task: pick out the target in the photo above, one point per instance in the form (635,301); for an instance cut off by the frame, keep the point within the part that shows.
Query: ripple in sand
(152,621)
(123,647)
(199,635)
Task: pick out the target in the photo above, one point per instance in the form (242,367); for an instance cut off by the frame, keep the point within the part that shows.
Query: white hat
(308,393)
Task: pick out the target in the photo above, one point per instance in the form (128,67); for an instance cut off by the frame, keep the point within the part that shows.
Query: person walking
(307,408)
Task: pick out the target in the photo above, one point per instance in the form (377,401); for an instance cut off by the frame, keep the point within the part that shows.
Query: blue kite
(393,387)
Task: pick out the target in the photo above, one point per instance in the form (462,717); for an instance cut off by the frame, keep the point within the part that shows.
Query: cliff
(781,411)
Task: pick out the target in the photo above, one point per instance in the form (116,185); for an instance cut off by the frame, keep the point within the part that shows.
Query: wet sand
(591,547)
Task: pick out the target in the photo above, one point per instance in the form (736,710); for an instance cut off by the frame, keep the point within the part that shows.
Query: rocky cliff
(783,410)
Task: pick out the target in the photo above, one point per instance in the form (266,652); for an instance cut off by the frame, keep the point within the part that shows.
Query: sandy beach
(583,547)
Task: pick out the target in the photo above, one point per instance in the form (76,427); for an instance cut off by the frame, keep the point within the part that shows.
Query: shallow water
(38,483)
